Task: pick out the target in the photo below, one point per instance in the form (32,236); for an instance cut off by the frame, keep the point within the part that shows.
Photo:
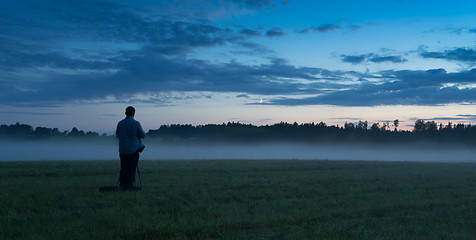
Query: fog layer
(43,150)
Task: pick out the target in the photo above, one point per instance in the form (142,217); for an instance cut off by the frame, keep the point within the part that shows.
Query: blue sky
(80,63)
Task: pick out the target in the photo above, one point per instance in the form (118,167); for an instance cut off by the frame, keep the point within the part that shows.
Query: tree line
(25,131)
(320,132)
(283,131)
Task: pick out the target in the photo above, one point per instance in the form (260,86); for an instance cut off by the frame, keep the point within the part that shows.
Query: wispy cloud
(321,28)
(255,3)
(372,57)
(250,48)
(243,96)
(390,59)
(467,55)
(398,88)
(354,59)
(458,118)
(275,32)
(355,27)
(35,113)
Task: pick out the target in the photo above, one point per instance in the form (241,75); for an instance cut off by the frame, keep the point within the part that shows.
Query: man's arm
(117,131)
(140,132)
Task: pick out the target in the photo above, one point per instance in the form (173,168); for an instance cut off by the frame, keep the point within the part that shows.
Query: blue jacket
(129,132)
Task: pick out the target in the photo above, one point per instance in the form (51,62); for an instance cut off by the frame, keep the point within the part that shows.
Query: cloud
(357,59)
(145,72)
(397,88)
(327,27)
(371,57)
(35,113)
(466,55)
(330,27)
(105,51)
(458,118)
(348,118)
(275,32)
(321,28)
(250,48)
(149,73)
(391,59)
(259,4)
(113,52)
(356,27)
(243,96)
(455,30)
(429,96)
(107,28)
(445,119)
(255,3)
(249,32)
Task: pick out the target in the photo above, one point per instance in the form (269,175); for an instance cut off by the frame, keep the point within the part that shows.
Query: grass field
(240,200)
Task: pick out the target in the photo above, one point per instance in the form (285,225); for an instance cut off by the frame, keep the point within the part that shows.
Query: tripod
(138,174)
(118,188)
(134,188)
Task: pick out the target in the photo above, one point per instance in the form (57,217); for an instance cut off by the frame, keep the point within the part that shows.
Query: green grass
(240,200)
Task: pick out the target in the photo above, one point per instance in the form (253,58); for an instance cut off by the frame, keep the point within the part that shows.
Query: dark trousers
(128,169)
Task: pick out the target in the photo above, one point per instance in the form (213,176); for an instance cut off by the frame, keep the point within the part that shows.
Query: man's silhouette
(129,132)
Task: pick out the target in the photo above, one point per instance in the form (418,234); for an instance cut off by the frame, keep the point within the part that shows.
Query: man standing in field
(129,132)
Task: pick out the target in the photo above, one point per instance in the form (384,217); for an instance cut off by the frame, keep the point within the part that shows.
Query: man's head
(130,111)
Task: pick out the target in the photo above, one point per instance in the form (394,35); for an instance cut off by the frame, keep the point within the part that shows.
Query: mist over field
(108,150)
